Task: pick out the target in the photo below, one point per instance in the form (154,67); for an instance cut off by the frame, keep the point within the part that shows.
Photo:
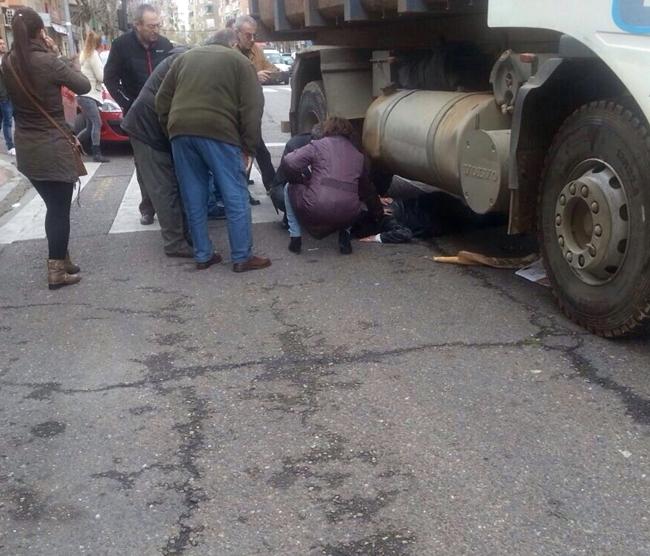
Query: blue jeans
(90,111)
(195,158)
(6,121)
(292,219)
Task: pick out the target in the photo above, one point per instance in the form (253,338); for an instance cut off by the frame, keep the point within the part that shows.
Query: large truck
(537,108)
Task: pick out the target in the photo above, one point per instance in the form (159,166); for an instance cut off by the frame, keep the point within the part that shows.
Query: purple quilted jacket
(328,200)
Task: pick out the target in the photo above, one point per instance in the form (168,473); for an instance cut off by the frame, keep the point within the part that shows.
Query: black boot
(295,245)
(97,155)
(345,246)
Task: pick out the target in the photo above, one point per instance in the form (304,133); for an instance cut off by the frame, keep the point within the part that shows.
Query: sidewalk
(13,184)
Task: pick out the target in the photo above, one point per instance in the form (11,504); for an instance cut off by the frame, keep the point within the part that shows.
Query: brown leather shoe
(57,277)
(254,263)
(216,259)
(70,267)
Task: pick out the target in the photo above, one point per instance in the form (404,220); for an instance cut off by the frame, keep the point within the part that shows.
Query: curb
(13,185)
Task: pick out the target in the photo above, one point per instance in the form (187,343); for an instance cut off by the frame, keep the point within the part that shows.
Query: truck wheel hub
(592,223)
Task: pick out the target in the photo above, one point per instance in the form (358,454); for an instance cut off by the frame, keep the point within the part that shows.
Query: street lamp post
(68,26)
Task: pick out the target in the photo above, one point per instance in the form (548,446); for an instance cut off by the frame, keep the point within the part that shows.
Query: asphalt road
(376,404)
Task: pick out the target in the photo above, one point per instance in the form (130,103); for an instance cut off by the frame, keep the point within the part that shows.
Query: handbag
(75,146)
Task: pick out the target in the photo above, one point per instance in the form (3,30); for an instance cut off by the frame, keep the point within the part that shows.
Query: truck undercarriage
(528,121)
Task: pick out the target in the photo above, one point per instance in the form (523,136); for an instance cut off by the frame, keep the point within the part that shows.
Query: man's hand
(247,159)
(263,76)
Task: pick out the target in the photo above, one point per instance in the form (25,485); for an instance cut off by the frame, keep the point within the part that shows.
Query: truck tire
(312,107)
(594,226)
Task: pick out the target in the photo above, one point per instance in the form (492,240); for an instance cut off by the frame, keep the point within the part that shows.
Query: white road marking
(127,219)
(275,144)
(29,221)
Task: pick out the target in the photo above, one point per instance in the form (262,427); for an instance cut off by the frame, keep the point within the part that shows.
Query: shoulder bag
(75,145)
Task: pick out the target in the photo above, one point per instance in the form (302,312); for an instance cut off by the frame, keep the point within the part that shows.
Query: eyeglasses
(153,26)
(248,35)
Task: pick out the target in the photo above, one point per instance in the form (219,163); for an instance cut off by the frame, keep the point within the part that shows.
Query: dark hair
(25,25)
(138,14)
(335,125)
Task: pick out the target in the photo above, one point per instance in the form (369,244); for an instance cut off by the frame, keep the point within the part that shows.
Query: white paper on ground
(535,272)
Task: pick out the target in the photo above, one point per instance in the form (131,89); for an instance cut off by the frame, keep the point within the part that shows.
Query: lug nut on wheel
(592,250)
(562,200)
(584,191)
(594,207)
(560,240)
(569,256)
(572,189)
(598,230)
(558,220)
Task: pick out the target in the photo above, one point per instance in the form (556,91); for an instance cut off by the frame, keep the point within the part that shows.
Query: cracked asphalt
(376,404)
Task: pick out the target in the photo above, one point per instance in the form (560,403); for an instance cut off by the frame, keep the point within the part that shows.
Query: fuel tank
(458,142)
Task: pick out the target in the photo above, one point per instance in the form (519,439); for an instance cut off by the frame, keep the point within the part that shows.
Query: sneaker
(12,151)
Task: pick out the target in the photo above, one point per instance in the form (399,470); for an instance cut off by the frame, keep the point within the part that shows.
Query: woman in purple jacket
(328,184)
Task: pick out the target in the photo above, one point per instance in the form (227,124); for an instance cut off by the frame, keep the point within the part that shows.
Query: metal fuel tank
(444,139)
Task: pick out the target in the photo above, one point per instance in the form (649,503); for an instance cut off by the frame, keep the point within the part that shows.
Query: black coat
(129,66)
(141,122)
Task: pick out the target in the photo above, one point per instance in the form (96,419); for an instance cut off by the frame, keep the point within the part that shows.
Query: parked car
(110,112)
(282,75)
(289,60)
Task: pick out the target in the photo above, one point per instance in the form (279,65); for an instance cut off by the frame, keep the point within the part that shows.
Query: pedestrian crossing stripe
(127,219)
(28,221)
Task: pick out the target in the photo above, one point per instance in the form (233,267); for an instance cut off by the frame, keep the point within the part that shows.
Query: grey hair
(138,14)
(223,37)
(242,20)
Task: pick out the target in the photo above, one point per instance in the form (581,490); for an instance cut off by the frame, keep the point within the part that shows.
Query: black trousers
(263,158)
(57,196)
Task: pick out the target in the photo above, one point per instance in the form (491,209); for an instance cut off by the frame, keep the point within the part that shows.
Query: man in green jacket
(211,106)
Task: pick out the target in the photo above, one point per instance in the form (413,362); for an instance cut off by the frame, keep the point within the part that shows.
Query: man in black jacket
(131,61)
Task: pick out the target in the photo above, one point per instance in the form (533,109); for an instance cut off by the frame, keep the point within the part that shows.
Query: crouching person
(328,186)
(153,158)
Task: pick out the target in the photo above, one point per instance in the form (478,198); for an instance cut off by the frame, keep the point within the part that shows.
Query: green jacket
(212,91)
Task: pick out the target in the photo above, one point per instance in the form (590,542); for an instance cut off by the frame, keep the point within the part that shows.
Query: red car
(110,112)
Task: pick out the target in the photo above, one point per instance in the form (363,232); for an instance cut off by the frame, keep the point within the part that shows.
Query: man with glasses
(245,28)
(131,61)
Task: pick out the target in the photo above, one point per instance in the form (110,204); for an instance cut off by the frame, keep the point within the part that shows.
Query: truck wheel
(594,219)
(312,107)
